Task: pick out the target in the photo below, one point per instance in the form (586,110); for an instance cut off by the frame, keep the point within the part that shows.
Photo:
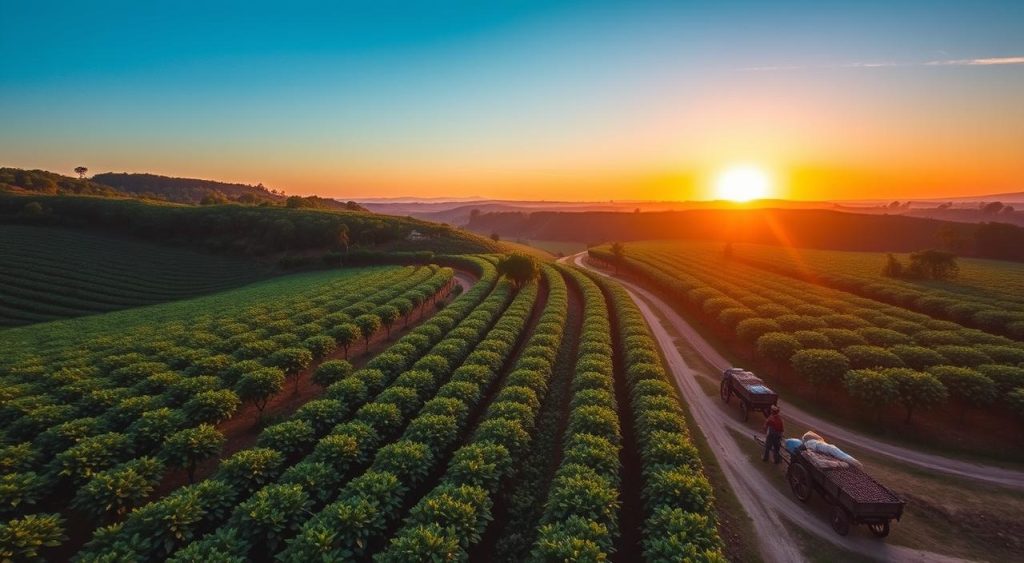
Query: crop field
(986,294)
(92,411)
(879,355)
(98,274)
(420,450)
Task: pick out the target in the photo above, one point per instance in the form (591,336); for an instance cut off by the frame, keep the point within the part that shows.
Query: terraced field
(879,355)
(420,451)
(96,274)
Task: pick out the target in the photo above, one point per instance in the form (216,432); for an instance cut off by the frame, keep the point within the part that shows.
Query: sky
(546,100)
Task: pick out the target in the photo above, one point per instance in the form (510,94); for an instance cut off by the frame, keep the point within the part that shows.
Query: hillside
(811,228)
(186,190)
(43,182)
(50,274)
(240,230)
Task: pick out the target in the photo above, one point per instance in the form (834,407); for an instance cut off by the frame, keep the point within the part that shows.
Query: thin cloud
(979,62)
(991,61)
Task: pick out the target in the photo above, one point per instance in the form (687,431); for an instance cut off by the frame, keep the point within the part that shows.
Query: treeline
(233,229)
(192,191)
(187,190)
(43,182)
(805,228)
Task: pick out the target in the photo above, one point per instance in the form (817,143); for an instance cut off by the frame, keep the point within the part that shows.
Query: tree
(185,449)
(967,386)
(777,347)
(388,315)
(495,237)
(331,372)
(81,170)
(872,388)
(345,334)
(112,493)
(404,307)
(619,253)
(320,345)
(257,387)
(519,269)
(992,207)
(933,264)
(343,238)
(368,326)
(893,267)
(32,210)
(916,389)
(212,407)
(292,361)
(820,367)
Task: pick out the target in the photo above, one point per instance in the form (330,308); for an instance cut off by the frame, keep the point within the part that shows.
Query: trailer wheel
(799,481)
(746,410)
(879,530)
(840,521)
(725,391)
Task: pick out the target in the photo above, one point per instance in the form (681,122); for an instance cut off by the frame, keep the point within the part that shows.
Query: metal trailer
(754,395)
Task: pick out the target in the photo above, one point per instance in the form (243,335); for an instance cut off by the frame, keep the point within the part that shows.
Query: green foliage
(22,539)
(291,438)
(331,372)
(871,387)
(749,330)
(259,386)
(345,335)
(115,491)
(368,326)
(92,455)
(520,269)
(820,367)
(320,346)
(186,448)
(273,513)
(916,389)
(967,386)
(250,469)
(866,357)
(211,407)
(777,346)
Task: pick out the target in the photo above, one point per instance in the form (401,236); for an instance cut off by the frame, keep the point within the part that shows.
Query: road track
(766,504)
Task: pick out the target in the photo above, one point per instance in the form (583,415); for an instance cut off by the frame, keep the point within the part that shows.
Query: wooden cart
(855,497)
(753,394)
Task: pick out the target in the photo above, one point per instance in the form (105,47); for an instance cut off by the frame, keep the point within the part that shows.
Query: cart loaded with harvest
(753,394)
(853,495)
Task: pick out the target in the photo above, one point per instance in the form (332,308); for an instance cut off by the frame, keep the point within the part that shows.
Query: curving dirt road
(765,503)
(849,439)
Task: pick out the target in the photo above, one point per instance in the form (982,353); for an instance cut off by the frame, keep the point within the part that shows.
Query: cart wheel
(799,481)
(880,530)
(725,391)
(745,410)
(840,521)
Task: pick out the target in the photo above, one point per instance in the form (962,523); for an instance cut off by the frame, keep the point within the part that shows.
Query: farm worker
(773,434)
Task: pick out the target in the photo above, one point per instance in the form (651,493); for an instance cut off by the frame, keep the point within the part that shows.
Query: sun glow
(742,184)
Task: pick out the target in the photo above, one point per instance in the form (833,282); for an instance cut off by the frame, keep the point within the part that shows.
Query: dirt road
(763,501)
(849,440)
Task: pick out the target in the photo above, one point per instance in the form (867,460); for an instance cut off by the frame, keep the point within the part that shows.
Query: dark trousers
(772,443)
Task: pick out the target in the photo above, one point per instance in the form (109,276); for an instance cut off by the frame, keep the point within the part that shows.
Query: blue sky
(584,99)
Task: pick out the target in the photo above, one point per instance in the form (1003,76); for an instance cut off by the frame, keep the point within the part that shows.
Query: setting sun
(742,184)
